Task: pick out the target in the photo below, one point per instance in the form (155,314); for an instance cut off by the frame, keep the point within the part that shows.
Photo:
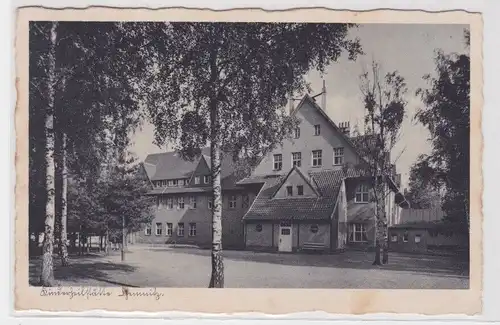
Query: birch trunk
(124,238)
(381,233)
(47,270)
(61,192)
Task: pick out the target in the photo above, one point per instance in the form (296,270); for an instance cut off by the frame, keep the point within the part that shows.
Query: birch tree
(384,101)
(227,84)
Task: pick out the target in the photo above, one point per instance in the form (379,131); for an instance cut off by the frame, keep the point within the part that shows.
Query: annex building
(304,194)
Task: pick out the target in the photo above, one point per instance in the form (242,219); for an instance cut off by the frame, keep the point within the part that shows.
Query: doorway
(285,237)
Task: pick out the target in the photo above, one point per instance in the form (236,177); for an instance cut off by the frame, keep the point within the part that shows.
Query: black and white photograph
(199,154)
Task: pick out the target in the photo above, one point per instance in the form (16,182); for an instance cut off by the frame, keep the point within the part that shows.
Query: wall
(259,240)
(294,180)
(419,215)
(326,141)
(410,246)
(305,235)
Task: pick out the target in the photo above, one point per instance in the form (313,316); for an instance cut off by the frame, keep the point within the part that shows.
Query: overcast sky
(409,49)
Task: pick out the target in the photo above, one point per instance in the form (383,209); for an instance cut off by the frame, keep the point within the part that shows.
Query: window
(232,202)
(192,202)
(300,190)
(258,228)
(170,228)
(210,203)
(338,156)
(296,159)
(358,233)
(317,129)
(175,183)
(296,133)
(182,182)
(289,191)
(417,238)
(180,202)
(405,237)
(192,229)
(197,180)
(285,231)
(170,182)
(170,203)
(317,158)
(158,229)
(147,230)
(277,162)
(206,179)
(245,202)
(394,238)
(314,229)
(361,194)
(180,229)
(163,183)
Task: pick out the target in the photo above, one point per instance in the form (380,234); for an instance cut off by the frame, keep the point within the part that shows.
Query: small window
(300,190)
(232,202)
(296,159)
(180,202)
(278,162)
(180,229)
(317,129)
(197,180)
(394,238)
(192,229)
(285,231)
(314,229)
(182,182)
(338,156)
(158,229)
(170,203)
(170,182)
(289,191)
(192,202)
(358,233)
(210,203)
(206,179)
(362,195)
(405,237)
(245,202)
(147,230)
(258,227)
(175,182)
(417,238)
(170,228)
(163,183)
(317,156)
(296,133)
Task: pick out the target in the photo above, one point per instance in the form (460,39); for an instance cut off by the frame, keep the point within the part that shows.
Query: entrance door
(285,243)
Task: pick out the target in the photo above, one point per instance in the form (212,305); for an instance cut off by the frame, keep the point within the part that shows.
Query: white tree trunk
(47,270)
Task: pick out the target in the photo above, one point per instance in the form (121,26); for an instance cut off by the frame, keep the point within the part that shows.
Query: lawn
(190,267)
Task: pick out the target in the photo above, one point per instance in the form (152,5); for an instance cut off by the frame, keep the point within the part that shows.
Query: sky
(407,48)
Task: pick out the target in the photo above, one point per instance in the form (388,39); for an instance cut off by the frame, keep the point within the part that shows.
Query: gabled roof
(309,181)
(169,165)
(297,208)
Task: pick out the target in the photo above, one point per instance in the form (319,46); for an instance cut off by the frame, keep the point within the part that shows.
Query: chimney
(290,105)
(345,128)
(323,96)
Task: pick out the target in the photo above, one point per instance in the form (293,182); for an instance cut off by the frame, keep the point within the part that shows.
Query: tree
(446,114)
(227,84)
(385,103)
(423,190)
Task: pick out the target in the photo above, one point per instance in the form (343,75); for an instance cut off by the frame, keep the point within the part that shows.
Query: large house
(307,193)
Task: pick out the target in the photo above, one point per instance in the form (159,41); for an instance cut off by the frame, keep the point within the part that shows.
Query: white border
(491,130)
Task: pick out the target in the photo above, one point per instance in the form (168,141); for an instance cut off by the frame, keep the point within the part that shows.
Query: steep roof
(265,207)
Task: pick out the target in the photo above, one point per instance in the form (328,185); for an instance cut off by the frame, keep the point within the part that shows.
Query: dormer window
(170,182)
(206,179)
(278,162)
(300,190)
(362,194)
(317,129)
(296,159)
(182,182)
(338,156)
(296,133)
(289,190)
(197,180)
(175,183)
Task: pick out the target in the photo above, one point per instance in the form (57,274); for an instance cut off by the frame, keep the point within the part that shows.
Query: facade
(184,202)
(306,193)
(311,193)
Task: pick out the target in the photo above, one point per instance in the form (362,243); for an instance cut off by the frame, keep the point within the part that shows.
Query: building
(308,193)
(184,201)
(311,194)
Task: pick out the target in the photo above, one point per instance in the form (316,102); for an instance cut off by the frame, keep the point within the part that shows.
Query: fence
(421,215)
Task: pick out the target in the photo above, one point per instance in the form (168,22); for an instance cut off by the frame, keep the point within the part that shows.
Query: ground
(190,267)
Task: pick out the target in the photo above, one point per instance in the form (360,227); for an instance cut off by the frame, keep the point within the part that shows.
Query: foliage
(446,114)
(423,190)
